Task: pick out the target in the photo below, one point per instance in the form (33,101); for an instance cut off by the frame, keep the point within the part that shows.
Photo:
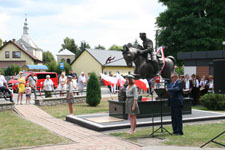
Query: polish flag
(108,80)
(142,83)
(160,50)
(120,80)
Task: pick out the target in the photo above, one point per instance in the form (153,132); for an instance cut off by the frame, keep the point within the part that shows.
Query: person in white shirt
(4,86)
(81,82)
(48,86)
(74,81)
(62,84)
(187,86)
(202,85)
(195,89)
(210,84)
(28,93)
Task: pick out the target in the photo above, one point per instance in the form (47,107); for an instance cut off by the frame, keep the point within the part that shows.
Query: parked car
(13,83)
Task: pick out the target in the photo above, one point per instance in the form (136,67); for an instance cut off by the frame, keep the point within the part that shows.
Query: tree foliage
(100,47)
(84,45)
(193,25)
(116,47)
(67,68)
(11,70)
(93,97)
(48,57)
(0,42)
(70,45)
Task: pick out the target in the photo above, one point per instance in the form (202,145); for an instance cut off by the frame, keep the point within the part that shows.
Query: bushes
(11,70)
(213,101)
(93,97)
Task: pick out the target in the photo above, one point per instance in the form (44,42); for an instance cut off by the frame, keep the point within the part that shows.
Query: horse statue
(143,68)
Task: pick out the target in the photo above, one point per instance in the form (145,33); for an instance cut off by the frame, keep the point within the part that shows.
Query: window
(43,76)
(68,61)
(6,54)
(16,54)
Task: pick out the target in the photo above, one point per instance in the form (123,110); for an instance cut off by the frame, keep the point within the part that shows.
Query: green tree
(52,66)
(0,42)
(67,68)
(100,47)
(193,25)
(84,45)
(116,47)
(93,97)
(11,70)
(70,45)
(48,57)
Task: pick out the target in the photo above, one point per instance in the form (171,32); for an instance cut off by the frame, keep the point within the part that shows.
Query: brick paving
(84,139)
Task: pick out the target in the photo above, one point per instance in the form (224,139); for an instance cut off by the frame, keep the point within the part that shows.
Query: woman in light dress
(131,103)
(62,84)
(69,94)
(21,87)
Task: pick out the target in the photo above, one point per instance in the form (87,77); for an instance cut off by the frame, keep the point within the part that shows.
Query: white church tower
(27,43)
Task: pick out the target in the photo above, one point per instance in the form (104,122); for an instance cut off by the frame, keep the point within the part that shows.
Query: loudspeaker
(219,76)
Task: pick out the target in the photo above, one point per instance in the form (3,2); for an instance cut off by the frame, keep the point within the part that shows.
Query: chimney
(4,42)
(14,40)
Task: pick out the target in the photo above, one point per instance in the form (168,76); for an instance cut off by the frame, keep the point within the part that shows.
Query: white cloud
(104,22)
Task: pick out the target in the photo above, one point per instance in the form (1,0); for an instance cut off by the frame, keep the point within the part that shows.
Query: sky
(104,22)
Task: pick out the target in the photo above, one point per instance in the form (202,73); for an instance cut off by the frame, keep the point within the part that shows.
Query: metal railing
(58,93)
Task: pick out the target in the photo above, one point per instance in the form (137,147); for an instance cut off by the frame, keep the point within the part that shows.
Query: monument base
(147,108)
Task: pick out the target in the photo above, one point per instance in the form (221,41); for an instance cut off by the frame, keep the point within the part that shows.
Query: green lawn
(194,135)
(60,111)
(17,132)
(200,107)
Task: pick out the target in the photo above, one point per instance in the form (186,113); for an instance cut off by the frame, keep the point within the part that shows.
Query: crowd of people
(29,86)
(195,87)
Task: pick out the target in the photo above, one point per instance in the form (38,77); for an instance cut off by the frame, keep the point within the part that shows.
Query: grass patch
(200,107)
(60,111)
(194,135)
(17,132)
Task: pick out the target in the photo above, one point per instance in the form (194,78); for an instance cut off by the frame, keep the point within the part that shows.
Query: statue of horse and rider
(148,64)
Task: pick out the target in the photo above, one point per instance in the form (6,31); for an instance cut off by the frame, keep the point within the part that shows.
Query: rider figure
(4,88)
(148,52)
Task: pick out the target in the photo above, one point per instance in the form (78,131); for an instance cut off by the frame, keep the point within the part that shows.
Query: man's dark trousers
(176,114)
(3,88)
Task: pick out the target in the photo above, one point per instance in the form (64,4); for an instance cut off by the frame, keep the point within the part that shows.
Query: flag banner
(108,80)
(120,80)
(142,83)
(160,50)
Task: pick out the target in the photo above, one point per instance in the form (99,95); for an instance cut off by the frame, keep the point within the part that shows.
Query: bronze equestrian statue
(147,63)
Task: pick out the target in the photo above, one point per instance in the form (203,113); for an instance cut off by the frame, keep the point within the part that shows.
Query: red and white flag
(142,83)
(120,80)
(160,50)
(108,80)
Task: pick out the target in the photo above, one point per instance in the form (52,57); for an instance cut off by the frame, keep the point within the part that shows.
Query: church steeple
(25,27)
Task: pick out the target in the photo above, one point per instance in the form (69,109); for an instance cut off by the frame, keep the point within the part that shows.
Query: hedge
(213,101)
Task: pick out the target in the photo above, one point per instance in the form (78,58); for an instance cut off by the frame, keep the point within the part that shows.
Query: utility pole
(156,39)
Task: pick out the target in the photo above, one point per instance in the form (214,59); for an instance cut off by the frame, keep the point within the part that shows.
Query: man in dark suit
(176,103)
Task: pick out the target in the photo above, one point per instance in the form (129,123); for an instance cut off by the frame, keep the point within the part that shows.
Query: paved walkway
(84,139)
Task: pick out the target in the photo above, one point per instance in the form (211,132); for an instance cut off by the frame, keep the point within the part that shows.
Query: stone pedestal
(147,108)
(6,105)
